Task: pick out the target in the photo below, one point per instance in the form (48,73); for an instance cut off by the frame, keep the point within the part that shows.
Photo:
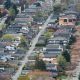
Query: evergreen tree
(61,61)
(67,56)
(7,4)
(23,42)
(79,77)
(15,8)
(40,64)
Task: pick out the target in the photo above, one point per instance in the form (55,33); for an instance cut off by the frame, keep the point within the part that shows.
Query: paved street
(34,41)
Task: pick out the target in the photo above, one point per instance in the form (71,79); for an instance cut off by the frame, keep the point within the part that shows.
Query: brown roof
(40,73)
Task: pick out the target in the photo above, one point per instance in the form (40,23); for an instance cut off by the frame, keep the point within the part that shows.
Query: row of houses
(55,45)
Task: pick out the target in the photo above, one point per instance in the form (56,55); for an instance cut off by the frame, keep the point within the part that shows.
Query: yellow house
(67,19)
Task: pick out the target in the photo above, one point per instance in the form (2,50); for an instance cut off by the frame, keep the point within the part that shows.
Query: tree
(68,47)
(38,16)
(8,4)
(40,64)
(48,34)
(23,42)
(11,12)
(72,40)
(57,8)
(15,8)
(67,56)
(23,39)
(61,61)
(79,77)
(2,26)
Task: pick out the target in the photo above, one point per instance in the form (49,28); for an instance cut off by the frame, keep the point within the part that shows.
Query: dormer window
(70,20)
(65,20)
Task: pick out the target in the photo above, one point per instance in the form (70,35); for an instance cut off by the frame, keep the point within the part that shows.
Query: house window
(74,19)
(70,20)
(49,61)
(65,20)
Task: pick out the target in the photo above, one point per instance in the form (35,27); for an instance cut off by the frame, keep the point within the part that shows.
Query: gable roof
(57,38)
(54,46)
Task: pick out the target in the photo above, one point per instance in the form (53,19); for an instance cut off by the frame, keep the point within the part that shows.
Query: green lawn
(62,77)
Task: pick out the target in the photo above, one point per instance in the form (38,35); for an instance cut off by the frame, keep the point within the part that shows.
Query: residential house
(52,26)
(19,53)
(35,8)
(3,11)
(58,40)
(51,52)
(68,28)
(4,57)
(24,17)
(62,33)
(37,5)
(69,12)
(51,67)
(30,11)
(15,1)
(5,76)
(67,19)
(13,29)
(24,30)
(23,23)
(78,6)
(75,1)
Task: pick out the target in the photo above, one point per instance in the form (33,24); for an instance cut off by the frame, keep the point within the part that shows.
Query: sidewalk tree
(38,16)
(40,64)
(48,34)
(57,8)
(15,8)
(61,61)
(11,12)
(72,40)
(23,42)
(8,4)
(2,26)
